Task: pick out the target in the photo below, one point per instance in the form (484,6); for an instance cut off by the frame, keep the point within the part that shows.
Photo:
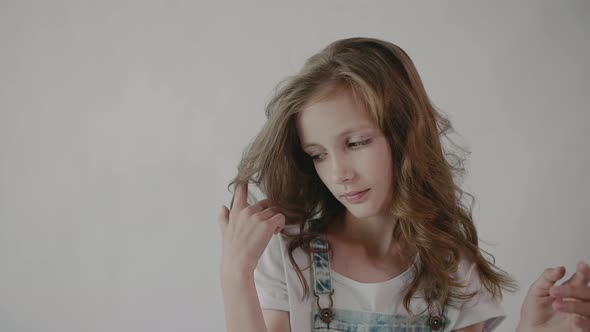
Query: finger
(262,210)
(276,222)
(265,204)
(581,308)
(223,218)
(580,292)
(584,269)
(547,279)
(240,199)
(582,322)
(579,277)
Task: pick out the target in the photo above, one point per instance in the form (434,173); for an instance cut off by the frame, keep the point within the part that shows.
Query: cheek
(324,176)
(321,174)
(382,164)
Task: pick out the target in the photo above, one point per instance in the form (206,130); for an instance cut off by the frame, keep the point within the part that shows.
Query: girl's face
(350,152)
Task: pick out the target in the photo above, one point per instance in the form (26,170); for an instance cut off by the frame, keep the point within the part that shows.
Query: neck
(373,235)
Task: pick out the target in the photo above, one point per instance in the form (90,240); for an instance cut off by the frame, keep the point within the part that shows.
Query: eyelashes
(353,145)
(360,143)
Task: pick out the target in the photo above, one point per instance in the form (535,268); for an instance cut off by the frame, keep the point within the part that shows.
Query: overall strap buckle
(322,282)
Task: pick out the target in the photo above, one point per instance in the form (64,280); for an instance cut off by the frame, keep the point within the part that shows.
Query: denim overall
(327,318)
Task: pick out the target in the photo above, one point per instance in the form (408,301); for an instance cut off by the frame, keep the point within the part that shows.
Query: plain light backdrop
(122,122)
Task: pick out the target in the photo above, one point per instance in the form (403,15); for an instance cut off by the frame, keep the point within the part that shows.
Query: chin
(360,212)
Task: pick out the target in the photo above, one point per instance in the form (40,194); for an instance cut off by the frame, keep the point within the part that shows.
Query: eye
(315,158)
(357,144)
(353,145)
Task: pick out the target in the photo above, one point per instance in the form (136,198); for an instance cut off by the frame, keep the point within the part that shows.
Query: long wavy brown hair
(428,202)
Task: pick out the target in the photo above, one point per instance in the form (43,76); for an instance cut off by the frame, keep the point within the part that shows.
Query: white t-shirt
(278,287)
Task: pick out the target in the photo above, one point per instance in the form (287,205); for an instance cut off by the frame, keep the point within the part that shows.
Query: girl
(371,220)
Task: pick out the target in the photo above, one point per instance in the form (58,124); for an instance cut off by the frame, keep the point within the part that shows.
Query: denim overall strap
(322,281)
(348,320)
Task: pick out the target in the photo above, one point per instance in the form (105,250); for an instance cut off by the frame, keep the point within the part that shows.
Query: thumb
(547,279)
(223,218)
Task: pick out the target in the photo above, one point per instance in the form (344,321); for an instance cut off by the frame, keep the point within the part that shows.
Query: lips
(352,193)
(357,198)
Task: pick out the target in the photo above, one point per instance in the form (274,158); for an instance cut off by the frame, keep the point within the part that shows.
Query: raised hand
(562,308)
(246,231)
(574,298)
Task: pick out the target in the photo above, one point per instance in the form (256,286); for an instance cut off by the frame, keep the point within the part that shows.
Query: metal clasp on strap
(326,314)
(435,323)
(322,283)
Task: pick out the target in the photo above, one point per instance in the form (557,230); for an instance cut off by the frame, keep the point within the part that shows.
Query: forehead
(325,119)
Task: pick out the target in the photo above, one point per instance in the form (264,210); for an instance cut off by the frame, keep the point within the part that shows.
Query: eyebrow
(346,132)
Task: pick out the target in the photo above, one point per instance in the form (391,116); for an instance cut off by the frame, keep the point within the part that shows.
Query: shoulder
(468,275)
(274,259)
(466,269)
(282,239)
(270,276)
(482,307)
(275,277)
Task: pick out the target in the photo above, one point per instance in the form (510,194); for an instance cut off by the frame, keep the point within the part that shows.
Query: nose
(341,169)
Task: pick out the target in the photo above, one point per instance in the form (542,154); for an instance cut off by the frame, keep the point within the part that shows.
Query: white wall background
(122,122)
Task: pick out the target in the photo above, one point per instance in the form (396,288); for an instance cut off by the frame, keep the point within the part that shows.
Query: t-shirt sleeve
(269,277)
(481,307)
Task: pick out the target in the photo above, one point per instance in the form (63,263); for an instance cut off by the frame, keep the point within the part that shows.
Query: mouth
(353,193)
(356,197)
